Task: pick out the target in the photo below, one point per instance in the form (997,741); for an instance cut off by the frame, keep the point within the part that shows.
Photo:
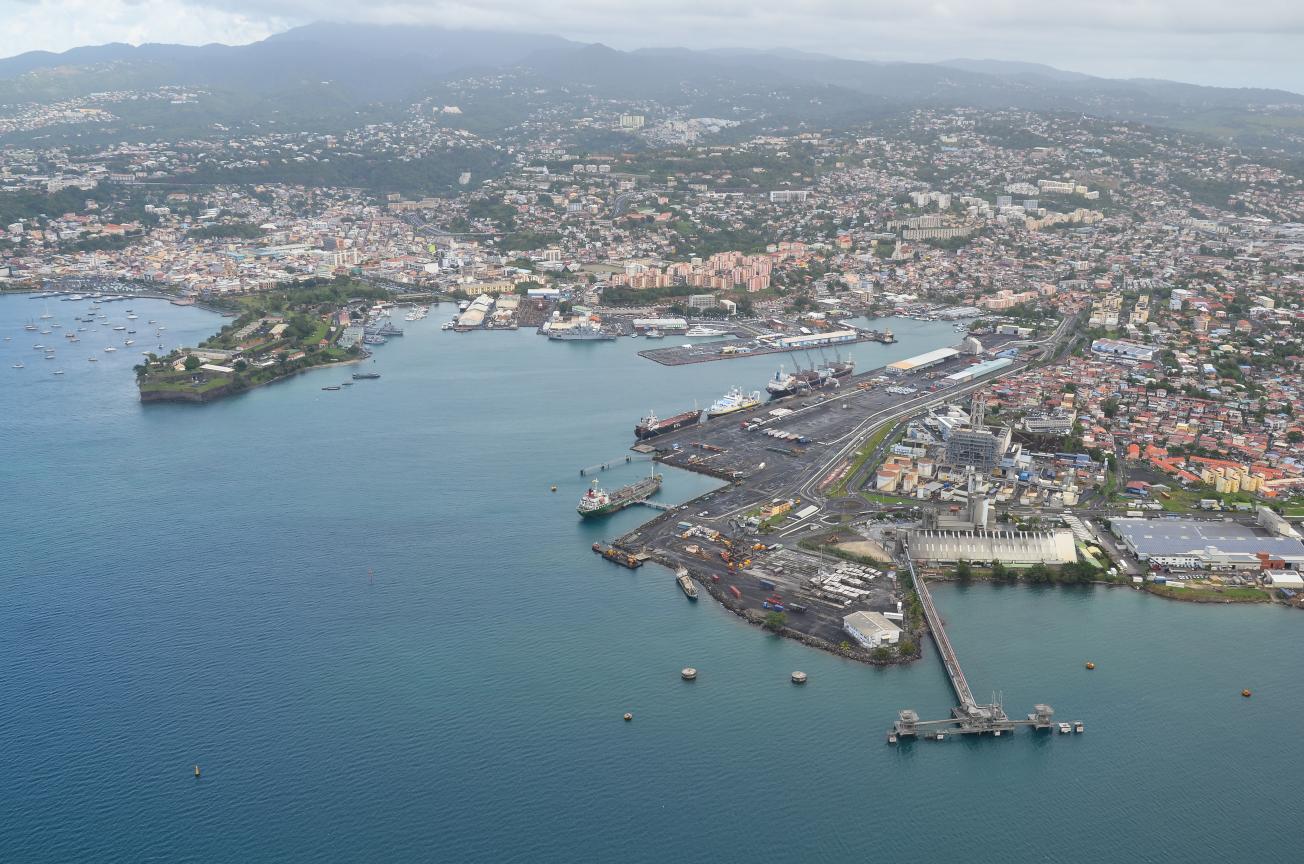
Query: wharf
(729,349)
(967,718)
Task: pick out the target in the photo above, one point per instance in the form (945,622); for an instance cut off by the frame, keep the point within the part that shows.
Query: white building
(871,629)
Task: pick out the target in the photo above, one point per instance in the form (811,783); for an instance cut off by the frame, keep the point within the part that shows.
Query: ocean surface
(366,617)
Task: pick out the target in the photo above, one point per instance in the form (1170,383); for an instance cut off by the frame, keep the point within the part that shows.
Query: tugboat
(652,426)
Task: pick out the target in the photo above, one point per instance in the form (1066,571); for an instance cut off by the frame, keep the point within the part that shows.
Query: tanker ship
(598,502)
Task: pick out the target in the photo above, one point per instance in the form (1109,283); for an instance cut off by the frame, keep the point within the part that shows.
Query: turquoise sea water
(366,617)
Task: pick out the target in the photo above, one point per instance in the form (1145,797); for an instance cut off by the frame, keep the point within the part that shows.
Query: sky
(1253,43)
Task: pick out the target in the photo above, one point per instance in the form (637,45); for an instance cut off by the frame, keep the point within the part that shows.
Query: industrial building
(814,340)
(1123,350)
(1057,422)
(923,361)
(978,370)
(980,448)
(1208,544)
(871,629)
(1013,548)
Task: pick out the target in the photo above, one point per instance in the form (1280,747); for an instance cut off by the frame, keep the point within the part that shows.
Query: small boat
(365,376)
(119,327)
(19,365)
(93,359)
(109,349)
(332,387)
(38,347)
(346,383)
(58,371)
(1065,728)
(130,342)
(1078,727)
(132,317)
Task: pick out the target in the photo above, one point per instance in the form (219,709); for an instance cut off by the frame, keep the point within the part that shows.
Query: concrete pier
(967,718)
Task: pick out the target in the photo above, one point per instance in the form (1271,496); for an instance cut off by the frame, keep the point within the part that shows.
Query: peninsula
(274,335)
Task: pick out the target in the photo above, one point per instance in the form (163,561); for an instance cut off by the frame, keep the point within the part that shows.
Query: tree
(192,363)
(881,653)
(963,571)
(1294,436)
(906,648)
(775,621)
(999,573)
(241,365)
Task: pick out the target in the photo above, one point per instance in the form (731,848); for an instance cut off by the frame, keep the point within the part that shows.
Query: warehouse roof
(1011,547)
(1182,537)
(922,360)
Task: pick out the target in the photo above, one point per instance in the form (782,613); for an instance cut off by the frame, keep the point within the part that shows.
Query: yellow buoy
(1091,665)
(1245,693)
(628,716)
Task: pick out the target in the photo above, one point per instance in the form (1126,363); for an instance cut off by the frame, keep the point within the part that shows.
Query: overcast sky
(1249,43)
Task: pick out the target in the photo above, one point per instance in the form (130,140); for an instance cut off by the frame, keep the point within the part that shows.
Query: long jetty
(967,718)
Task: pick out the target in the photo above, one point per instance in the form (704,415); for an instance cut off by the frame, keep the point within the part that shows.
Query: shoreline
(757,619)
(221,393)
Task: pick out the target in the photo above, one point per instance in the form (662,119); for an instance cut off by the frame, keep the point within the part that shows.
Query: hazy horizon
(1251,45)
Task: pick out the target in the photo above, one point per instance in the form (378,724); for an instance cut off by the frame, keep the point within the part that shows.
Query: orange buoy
(628,716)
(1245,693)
(1091,665)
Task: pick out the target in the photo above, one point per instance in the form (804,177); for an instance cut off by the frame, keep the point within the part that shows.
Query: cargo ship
(686,584)
(803,380)
(734,400)
(652,426)
(598,502)
(842,368)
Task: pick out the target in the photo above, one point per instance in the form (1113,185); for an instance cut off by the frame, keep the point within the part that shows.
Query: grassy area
(863,455)
(182,382)
(1210,594)
(1183,500)
(876,498)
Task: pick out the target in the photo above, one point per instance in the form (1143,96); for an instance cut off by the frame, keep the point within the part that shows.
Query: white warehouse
(871,629)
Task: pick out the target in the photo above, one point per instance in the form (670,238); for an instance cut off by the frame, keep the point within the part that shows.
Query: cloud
(1249,43)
